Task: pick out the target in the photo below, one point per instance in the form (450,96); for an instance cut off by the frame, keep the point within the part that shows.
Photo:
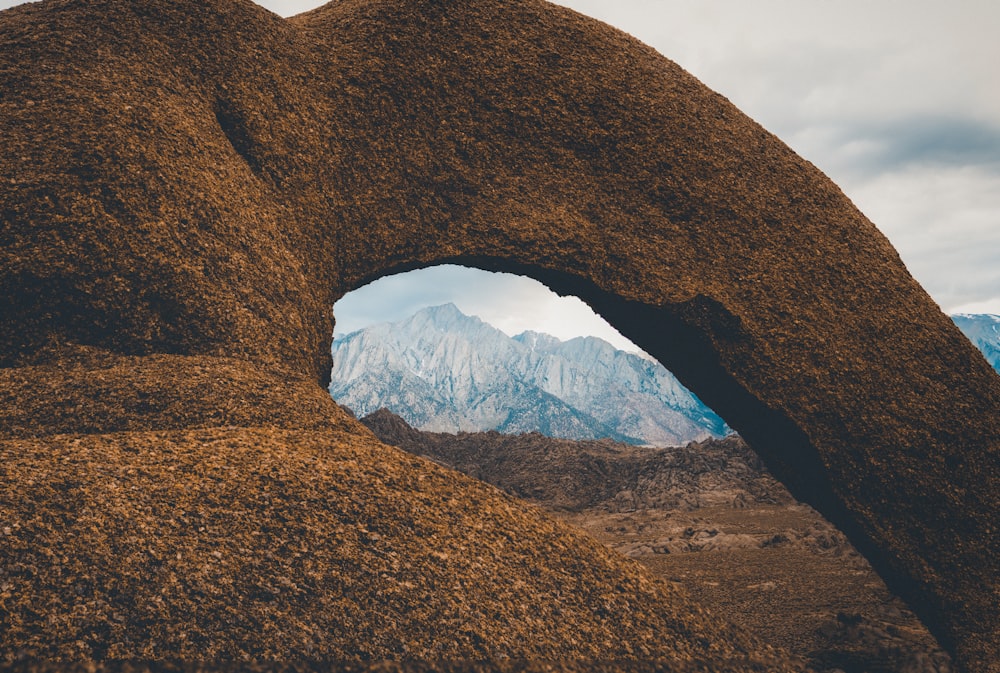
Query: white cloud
(785,58)
(945,223)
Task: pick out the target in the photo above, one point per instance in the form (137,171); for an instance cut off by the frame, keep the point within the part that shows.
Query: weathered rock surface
(268,544)
(205,179)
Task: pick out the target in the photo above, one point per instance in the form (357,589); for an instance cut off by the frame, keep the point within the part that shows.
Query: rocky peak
(983,330)
(442,370)
(538,341)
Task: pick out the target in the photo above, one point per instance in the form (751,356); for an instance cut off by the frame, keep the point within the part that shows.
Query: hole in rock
(450,348)
(456,351)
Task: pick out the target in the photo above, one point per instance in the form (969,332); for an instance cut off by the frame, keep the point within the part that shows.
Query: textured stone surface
(266,544)
(204,180)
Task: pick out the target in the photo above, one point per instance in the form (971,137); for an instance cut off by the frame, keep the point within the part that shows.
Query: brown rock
(202,180)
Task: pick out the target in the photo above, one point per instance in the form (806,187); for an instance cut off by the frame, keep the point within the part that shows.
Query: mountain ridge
(442,370)
(983,330)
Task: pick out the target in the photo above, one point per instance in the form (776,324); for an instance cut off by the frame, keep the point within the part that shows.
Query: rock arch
(228,175)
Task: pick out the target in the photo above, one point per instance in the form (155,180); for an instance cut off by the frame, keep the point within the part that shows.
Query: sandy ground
(781,571)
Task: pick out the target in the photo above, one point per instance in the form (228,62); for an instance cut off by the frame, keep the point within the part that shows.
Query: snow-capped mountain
(984,331)
(444,371)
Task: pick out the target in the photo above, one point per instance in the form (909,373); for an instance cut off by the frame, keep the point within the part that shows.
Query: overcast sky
(897,101)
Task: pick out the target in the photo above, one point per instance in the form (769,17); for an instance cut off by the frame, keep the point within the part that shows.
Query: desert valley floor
(709,518)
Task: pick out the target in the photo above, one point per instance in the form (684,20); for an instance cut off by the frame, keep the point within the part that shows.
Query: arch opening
(692,338)
(499,351)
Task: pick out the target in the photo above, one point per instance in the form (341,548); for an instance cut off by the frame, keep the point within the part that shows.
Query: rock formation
(187,187)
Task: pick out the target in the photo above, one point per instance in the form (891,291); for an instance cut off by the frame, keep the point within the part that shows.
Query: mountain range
(984,331)
(444,371)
